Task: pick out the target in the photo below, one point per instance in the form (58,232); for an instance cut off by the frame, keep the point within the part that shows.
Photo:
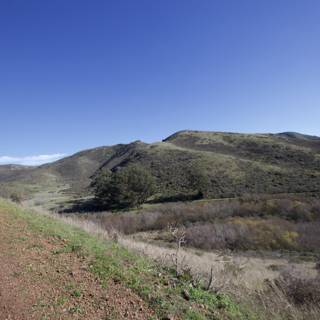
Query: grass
(236,164)
(109,261)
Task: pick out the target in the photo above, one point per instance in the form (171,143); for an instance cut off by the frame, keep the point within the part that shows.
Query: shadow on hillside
(91,205)
(175,198)
(82,206)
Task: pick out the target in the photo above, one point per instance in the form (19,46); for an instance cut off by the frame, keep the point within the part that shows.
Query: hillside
(235,163)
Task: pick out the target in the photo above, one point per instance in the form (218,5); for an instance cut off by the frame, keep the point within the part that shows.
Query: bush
(300,291)
(309,235)
(128,187)
(318,265)
(243,234)
(16,197)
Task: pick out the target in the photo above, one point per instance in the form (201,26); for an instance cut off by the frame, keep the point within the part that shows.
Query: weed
(61,300)
(75,309)
(77,293)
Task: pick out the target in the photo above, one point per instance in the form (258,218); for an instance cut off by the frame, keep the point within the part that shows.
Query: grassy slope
(235,163)
(157,286)
(255,163)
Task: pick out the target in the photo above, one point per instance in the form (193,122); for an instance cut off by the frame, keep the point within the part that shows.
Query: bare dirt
(38,283)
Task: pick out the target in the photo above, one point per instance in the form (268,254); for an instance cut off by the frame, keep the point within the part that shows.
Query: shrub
(309,238)
(300,291)
(229,224)
(243,234)
(16,197)
(318,265)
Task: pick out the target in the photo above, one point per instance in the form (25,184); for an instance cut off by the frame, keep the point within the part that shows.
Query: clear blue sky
(76,74)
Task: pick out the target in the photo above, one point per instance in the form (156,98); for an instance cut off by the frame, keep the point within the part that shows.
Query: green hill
(236,164)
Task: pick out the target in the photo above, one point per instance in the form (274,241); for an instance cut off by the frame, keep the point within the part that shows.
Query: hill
(236,164)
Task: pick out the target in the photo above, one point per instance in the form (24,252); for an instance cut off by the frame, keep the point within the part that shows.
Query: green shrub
(16,197)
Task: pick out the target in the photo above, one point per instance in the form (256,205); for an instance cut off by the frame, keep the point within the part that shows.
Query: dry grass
(252,280)
(272,303)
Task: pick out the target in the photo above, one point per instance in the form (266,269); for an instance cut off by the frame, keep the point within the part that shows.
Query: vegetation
(199,180)
(267,223)
(188,164)
(280,173)
(158,286)
(300,291)
(16,197)
(125,188)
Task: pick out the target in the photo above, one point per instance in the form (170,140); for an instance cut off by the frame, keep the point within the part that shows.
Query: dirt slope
(39,281)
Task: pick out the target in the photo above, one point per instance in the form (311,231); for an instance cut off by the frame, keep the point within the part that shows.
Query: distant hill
(235,163)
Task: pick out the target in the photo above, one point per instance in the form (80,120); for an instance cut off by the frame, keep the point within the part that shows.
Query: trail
(37,283)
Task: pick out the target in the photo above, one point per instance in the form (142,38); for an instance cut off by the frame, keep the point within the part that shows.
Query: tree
(103,188)
(199,180)
(127,187)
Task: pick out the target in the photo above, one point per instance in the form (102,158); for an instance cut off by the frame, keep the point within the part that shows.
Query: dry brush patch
(237,224)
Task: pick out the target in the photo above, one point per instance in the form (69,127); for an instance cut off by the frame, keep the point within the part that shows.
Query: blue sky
(78,74)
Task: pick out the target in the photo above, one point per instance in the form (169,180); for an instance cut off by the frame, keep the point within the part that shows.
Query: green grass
(109,261)
(236,164)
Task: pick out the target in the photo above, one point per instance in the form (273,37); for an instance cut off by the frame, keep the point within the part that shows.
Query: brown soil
(38,283)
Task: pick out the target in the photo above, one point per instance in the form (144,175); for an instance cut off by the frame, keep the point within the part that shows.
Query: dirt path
(39,281)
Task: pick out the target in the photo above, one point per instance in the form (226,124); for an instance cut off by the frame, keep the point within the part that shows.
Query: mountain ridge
(236,163)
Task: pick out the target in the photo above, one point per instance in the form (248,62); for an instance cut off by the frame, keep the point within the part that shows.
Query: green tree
(199,180)
(103,187)
(127,187)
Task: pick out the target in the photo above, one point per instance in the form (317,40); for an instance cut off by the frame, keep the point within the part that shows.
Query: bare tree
(179,237)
